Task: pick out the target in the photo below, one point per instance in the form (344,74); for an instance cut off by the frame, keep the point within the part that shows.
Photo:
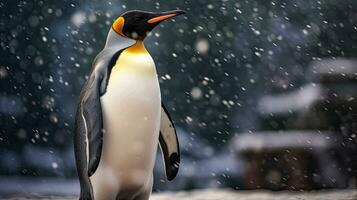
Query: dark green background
(255,48)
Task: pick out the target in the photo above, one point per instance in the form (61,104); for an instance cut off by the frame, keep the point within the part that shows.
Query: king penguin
(120,118)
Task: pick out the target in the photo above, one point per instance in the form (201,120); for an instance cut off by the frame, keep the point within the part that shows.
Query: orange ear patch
(118,25)
(160,18)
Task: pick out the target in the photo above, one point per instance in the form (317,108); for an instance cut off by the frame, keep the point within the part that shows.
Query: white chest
(133,94)
(131,110)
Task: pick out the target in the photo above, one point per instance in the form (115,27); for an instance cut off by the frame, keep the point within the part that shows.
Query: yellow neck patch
(137,48)
(135,59)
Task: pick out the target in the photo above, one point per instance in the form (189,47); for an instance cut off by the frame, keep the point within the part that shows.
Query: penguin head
(137,24)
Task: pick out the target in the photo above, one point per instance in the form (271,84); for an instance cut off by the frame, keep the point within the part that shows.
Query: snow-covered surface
(284,139)
(302,99)
(63,189)
(38,186)
(212,194)
(225,194)
(335,67)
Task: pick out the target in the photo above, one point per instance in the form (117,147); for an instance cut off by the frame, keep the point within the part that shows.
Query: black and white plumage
(94,125)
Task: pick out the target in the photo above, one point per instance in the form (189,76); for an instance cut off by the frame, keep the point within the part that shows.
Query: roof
(283,140)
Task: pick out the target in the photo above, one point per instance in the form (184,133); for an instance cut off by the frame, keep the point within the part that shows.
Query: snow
(202,46)
(222,67)
(299,100)
(261,195)
(270,140)
(226,194)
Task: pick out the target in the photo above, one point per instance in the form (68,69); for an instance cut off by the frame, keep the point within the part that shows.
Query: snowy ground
(219,194)
(257,195)
(66,189)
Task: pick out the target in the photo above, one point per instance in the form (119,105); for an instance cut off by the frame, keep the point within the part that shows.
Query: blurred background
(263,93)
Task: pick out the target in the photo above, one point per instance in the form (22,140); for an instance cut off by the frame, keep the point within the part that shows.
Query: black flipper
(169,145)
(88,134)
(81,158)
(92,117)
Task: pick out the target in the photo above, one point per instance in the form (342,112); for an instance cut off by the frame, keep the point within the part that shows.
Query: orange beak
(164,16)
